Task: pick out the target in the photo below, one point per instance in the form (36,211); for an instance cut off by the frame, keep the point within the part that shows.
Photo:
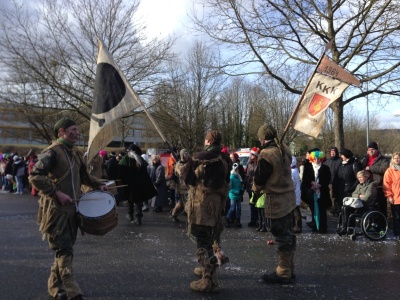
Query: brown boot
(204,285)
(198,271)
(54,283)
(67,276)
(282,274)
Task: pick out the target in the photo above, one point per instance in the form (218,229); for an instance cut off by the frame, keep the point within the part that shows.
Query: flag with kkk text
(113,99)
(321,92)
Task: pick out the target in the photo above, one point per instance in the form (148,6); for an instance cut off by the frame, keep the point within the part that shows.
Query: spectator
(345,181)
(18,173)
(250,171)
(235,196)
(333,163)
(158,179)
(366,192)
(297,219)
(315,187)
(376,164)
(391,189)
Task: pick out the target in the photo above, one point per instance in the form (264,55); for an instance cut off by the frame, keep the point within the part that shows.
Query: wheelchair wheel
(374,225)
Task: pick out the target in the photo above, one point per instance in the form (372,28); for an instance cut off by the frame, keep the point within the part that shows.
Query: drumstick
(117,186)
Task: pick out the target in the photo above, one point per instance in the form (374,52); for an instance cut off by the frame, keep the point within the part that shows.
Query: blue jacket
(235,191)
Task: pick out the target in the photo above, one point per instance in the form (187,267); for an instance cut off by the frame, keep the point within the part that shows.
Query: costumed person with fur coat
(207,176)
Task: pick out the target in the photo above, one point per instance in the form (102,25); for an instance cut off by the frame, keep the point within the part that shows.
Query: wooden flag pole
(327,47)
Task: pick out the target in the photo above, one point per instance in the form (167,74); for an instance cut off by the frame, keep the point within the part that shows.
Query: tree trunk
(337,108)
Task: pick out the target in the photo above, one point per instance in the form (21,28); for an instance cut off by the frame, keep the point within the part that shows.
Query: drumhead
(96,204)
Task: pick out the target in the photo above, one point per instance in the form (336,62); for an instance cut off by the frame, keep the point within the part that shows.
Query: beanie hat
(214,137)
(15,157)
(103,152)
(113,154)
(254,151)
(347,153)
(373,145)
(62,123)
(266,132)
(225,150)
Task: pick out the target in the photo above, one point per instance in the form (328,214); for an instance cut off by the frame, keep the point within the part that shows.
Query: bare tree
(262,36)
(53,47)
(185,100)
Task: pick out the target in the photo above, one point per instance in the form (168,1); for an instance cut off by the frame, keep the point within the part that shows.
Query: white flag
(113,98)
(321,92)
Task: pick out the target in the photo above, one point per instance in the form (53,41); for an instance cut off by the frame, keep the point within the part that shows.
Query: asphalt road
(156,261)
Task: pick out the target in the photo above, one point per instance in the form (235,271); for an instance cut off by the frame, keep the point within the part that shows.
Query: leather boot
(54,283)
(64,264)
(282,274)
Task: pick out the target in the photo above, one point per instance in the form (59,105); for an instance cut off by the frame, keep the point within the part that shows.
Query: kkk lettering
(326,89)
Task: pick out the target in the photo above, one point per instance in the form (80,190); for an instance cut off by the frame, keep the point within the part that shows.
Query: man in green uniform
(273,177)
(58,175)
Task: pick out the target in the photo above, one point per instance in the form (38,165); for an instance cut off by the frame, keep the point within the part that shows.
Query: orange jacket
(391,184)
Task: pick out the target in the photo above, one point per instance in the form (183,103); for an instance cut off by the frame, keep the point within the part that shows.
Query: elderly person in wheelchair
(362,201)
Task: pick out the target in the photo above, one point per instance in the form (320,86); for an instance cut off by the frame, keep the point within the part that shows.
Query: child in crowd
(235,196)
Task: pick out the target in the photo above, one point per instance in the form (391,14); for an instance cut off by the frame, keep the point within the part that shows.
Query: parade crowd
(207,189)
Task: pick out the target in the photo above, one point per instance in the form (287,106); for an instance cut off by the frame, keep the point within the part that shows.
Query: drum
(98,212)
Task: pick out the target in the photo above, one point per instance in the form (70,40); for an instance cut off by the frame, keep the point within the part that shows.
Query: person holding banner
(132,169)
(58,175)
(273,177)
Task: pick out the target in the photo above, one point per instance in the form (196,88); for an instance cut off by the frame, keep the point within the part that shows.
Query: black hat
(373,145)
(313,150)
(135,149)
(347,153)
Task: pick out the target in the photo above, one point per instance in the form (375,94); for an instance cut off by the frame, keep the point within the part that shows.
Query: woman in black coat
(315,185)
(132,170)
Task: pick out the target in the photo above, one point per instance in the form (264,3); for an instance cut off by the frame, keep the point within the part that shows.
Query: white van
(244,156)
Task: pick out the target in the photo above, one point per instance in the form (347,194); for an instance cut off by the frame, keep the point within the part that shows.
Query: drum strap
(70,171)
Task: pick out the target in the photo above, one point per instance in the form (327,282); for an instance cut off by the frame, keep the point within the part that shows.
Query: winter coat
(235,190)
(391,184)
(250,171)
(158,178)
(112,168)
(378,168)
(346,181)
(273,176)
(367,189)
(140,187)
(333,163)
(324,178)
(296,180)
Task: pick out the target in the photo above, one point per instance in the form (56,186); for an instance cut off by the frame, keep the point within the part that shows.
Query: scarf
(396,167)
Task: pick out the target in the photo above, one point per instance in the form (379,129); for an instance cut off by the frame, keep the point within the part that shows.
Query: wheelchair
(373,224)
